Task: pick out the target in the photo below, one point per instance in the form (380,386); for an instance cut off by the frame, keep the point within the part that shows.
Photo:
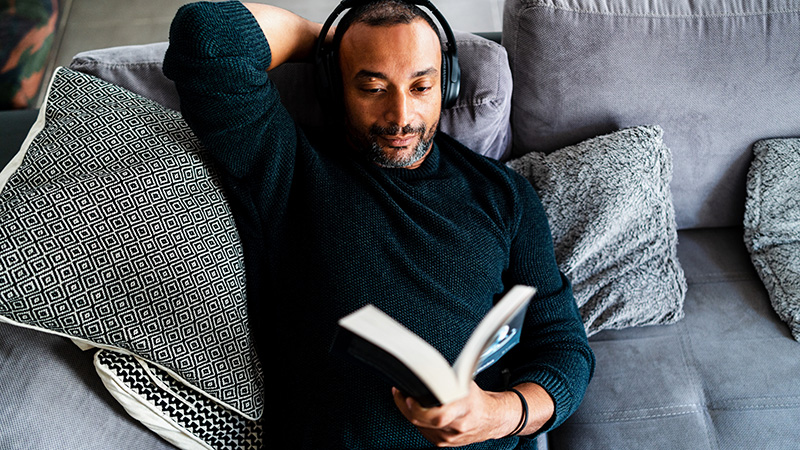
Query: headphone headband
(327,67)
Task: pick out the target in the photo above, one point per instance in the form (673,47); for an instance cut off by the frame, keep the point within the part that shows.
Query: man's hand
(480,416)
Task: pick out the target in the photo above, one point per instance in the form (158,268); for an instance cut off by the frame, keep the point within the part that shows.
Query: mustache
(396,130)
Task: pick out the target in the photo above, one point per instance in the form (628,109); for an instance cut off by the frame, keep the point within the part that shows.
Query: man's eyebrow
(382,76)
(426,72)
(370,74)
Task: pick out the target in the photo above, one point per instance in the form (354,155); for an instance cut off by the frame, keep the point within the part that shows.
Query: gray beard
(369,147)
(378,156)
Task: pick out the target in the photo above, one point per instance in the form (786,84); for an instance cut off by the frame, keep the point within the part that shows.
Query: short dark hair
(382,13)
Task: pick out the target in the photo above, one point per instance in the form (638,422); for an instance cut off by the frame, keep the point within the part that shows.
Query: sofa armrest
(16,124)
(494,36)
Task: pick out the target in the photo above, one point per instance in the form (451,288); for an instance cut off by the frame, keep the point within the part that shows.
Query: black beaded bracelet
(523,421)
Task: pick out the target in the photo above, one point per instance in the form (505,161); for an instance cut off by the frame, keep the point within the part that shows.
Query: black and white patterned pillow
(115,232)
(196,421)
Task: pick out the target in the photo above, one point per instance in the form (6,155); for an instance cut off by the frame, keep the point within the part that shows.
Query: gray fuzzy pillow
(772,224)
(613,223)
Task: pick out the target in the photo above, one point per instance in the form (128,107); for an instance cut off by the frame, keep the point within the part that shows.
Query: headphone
(328,76)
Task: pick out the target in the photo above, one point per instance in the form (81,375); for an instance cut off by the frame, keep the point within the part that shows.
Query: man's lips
(399,141)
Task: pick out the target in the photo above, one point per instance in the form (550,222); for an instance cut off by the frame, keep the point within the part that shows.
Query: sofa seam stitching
(85,62)
(701,409)
(633,418)
(708,423)
(665,16)
(711,405)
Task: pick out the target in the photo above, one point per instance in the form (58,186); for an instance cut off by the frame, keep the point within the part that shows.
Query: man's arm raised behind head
(218,57)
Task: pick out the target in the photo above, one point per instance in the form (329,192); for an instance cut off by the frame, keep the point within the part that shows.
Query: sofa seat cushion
(724,377)
(51,397)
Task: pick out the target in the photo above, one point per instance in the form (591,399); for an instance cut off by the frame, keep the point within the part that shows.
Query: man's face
(392,91)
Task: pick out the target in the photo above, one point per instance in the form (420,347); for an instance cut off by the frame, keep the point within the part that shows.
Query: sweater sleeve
(554,351)
(218,58)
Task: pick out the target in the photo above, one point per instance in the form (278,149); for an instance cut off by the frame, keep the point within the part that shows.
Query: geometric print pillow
(114,231)
(182,416)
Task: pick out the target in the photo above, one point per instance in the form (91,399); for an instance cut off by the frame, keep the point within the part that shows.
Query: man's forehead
(416,45)
(364,36)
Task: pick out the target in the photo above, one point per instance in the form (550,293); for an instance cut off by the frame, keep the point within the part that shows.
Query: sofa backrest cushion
(716,75)
(479,119)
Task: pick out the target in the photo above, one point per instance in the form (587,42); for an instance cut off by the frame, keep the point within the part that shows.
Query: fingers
(439,425)
(475,418)
(410,408)
(418,414)
(429,423)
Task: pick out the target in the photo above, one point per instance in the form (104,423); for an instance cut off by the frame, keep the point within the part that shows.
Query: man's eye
(373,90)
(422,89)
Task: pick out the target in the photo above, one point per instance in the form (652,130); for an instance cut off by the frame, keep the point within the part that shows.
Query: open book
(417,368)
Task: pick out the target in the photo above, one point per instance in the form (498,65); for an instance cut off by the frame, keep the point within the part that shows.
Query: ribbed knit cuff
(558,389)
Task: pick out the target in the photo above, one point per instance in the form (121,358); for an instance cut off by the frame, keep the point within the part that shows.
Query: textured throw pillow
(772,224)
(114,232)
(613,223)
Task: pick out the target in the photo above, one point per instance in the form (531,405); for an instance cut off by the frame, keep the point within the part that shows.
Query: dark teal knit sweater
(325,233)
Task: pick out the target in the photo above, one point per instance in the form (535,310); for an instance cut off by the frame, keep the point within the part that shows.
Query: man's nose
(399,108)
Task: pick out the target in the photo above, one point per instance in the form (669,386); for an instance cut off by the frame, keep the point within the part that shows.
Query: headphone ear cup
(327,80)
(451,79)
(321,80)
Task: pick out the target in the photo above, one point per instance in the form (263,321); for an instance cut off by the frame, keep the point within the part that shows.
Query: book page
(491,327)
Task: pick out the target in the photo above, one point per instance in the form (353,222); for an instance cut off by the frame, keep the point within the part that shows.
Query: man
(383,210)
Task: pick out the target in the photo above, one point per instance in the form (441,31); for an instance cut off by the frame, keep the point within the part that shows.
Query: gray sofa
(693,336)
(717,76)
